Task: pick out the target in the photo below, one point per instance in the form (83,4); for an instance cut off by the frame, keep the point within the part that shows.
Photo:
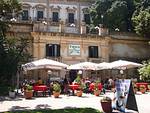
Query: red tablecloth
(74,86)
(142,83)
(91,88)
(40,88)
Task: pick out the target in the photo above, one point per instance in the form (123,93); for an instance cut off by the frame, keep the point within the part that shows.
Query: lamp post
(13,17)
(102,17)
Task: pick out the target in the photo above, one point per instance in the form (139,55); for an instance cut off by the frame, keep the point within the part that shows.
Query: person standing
(65,84)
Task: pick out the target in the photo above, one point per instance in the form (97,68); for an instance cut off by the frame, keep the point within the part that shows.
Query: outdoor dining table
(73,87)
(142,83)
(40,88)
(92,85)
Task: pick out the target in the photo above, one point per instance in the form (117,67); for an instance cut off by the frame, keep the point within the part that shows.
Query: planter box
(56,94)
(79,93)
(28,94)
(97,92)
(12,94)
(106,106)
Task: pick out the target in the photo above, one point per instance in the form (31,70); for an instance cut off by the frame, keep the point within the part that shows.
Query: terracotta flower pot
(79,93)
(106,106)
(28,94)
(56,94)
(143,90)
(97,92)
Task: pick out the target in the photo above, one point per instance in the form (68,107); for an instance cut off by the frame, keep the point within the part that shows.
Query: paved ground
(65,101)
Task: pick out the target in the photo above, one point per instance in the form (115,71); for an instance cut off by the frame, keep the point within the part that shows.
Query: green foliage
(56,87)
(9,8)
(142,22)
(4,89)
(105,99)
(80,83)
(141,17)
(29,87)
(13,50)
(12,89)
(116,14)
(145,71)
(78,79)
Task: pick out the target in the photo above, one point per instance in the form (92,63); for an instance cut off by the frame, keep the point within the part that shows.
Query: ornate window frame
(71,10)
(55,9)
(40,7)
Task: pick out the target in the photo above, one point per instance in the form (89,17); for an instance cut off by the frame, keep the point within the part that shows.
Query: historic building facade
(69,16)
(57,29)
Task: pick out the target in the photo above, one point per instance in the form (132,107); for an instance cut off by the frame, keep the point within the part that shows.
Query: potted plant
(28,93)
(142,89)
(96,89)
(56,90)
(106,104)
(12,93)
(79,91)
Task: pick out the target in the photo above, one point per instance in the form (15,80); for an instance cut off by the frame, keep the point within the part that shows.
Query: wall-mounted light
(72,25)
(44,22)
(13,20)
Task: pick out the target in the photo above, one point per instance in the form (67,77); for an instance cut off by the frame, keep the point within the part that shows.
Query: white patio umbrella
(103,65)
(83,66)
(122,64)
(44,64)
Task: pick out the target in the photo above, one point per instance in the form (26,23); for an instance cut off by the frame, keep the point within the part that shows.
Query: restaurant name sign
(74,49)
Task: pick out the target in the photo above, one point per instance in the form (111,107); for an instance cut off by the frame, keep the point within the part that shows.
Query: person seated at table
(23,85)
(66,85)
(40,82)
(87,86)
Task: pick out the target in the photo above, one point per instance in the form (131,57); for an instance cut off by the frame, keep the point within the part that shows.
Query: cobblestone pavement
(87,100)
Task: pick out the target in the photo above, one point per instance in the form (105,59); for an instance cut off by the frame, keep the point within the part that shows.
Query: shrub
(29,87)
(56,87)
(105,99)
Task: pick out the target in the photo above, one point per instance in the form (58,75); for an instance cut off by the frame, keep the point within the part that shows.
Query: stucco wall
(40,41)
(129,47)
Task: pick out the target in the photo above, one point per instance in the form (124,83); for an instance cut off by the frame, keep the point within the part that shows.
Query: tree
(9,9)
(145,71)
(141,18)
(116,14)
(13,50)
(142,23)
